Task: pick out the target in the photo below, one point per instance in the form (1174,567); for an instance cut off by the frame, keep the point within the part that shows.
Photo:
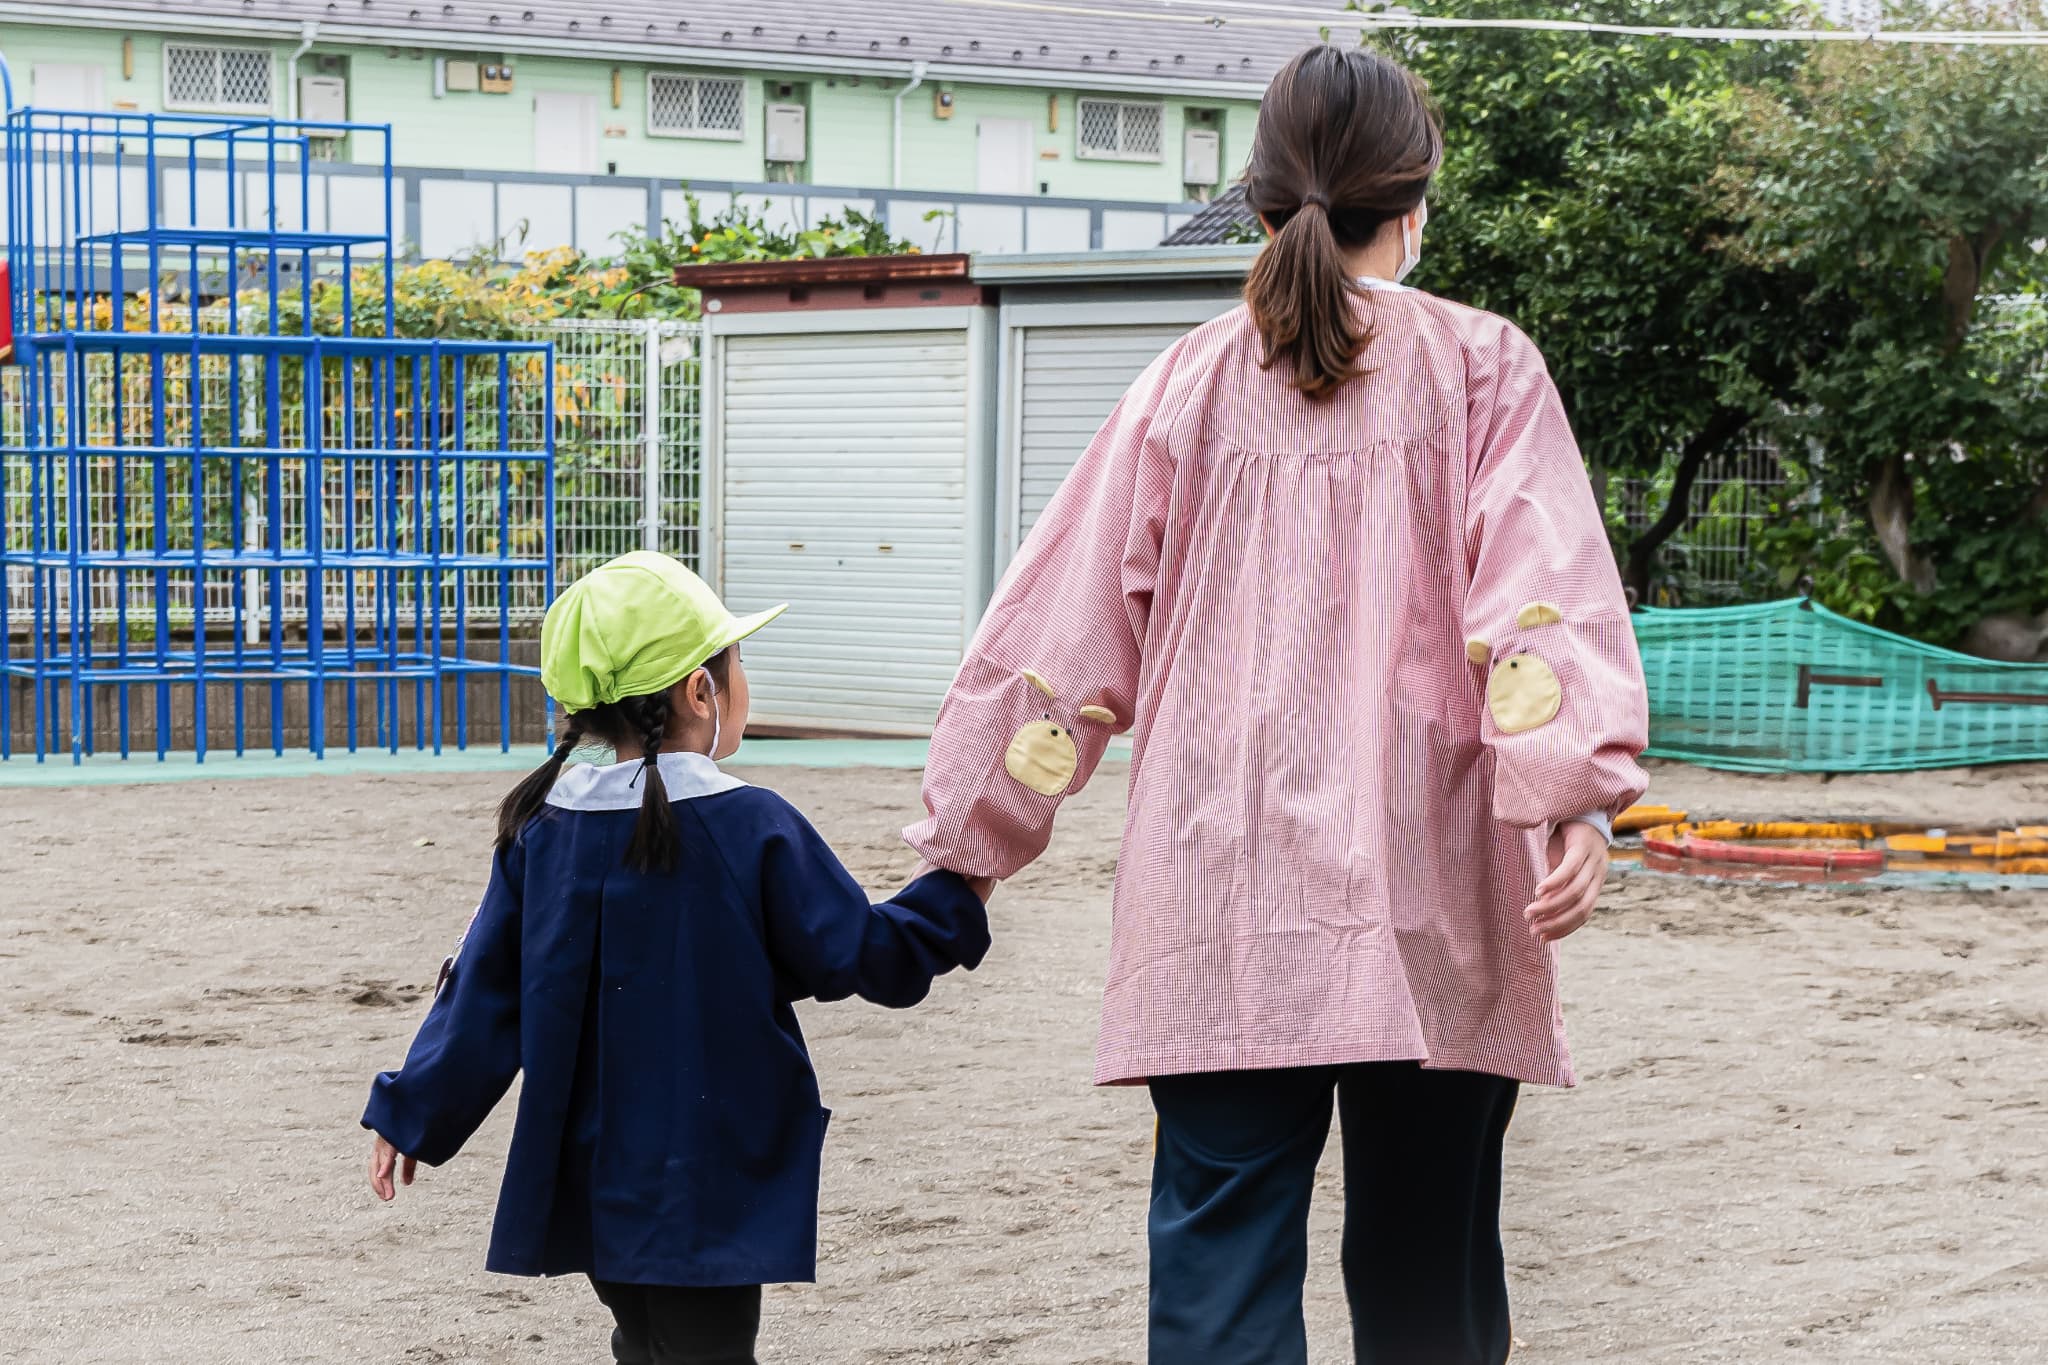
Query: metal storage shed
(848,428)
(879,434)
(1074,332)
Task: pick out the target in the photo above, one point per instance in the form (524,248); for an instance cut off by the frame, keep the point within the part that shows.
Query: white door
(565,133)
(844,481)
(64,85)
(1002,154)
(1069,378)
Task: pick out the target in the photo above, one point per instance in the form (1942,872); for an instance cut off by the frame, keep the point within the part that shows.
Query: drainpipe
(896,164)
(307,32)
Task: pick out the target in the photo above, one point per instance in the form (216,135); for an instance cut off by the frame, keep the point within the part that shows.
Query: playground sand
(1810,1127)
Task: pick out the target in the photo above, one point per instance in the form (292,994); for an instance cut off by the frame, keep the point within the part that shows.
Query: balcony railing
(457,213)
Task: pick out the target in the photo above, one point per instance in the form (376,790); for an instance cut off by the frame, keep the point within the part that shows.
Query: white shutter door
(845,495)
(1071,379)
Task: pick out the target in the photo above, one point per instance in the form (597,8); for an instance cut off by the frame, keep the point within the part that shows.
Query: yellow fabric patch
(1101,713)
(1478,651)
(1036,681)
(1523,693)
(1042,757)
(1538,614)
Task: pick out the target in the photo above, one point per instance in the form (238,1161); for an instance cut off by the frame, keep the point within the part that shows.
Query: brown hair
(642,721)
(1347,142)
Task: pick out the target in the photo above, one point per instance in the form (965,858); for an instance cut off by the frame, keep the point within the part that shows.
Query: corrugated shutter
(845,492)
(1071,378)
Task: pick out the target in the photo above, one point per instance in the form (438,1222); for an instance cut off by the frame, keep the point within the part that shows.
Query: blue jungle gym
(232,501)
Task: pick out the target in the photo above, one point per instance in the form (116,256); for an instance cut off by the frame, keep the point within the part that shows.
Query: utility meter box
(323,99)
(1201,157)
(785,132)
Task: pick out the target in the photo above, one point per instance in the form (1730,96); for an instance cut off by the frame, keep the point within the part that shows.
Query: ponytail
(1346,144)
(524,801)
(654,844)
(1300,292)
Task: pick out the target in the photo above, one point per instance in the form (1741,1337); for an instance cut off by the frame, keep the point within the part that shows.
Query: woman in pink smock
(1336,565)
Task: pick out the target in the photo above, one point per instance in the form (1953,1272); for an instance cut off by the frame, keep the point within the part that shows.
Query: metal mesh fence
(1711,557)
(628,466)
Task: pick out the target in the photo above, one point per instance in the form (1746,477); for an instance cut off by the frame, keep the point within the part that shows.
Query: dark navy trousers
(1231,1184)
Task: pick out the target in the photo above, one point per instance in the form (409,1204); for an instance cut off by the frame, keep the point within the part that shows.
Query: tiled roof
(1213,224)
(1199,43)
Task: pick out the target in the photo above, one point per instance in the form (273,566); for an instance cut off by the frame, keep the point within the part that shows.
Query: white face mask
(1411,247)
(716,718)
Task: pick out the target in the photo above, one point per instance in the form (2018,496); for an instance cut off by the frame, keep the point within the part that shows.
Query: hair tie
(565,748)
(1318,198)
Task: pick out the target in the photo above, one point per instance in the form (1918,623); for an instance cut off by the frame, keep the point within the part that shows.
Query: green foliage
(1715,240)
(1574,198)
(738,233)
(1908,185)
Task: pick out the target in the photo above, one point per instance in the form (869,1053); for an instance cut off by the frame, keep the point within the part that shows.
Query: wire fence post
(650,433)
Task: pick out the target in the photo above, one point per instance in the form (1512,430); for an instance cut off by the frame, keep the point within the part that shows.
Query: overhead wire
(1227,13)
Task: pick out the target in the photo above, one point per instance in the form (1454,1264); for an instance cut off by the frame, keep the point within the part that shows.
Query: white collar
(1390,286)
(616,786)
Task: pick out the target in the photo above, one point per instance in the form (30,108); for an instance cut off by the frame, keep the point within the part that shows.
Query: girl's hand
(382,1157)
(1578,870)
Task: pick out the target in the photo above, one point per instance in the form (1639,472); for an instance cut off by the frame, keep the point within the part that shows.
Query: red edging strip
(1714,851)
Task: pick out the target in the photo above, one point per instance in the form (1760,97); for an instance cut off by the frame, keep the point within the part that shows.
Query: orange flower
(696,248)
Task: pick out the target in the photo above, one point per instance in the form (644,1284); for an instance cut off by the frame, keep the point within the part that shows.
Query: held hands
(1578,869)
(383,1156)
(984,888)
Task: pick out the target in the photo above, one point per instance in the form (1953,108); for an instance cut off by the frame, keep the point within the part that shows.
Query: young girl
(646,928)
(1336,562)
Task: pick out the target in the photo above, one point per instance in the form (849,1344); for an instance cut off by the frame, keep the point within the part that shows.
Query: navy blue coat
(669,1125)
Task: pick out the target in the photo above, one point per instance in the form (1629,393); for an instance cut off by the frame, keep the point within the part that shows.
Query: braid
(524,801)
(653,846)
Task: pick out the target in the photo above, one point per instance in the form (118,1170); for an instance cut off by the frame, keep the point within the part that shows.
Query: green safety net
(1793,687)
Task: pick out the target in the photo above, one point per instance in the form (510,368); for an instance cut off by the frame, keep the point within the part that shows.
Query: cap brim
(744,626)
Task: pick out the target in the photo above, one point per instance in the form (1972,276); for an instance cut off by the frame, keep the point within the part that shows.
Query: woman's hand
(982,887)
(1578,870)
(383,1156)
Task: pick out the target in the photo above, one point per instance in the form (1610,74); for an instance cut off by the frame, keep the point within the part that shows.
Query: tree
(1577,199)
(1909,185)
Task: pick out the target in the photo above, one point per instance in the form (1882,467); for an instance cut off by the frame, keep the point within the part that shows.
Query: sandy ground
(1814,1124)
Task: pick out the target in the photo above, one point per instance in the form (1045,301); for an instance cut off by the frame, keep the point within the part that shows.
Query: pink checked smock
(1296,608)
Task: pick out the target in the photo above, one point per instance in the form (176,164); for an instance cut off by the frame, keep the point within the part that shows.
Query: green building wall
(849,126)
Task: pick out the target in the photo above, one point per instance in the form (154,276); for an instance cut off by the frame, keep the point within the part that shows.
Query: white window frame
(1083,152)
(203,107)
(738,134)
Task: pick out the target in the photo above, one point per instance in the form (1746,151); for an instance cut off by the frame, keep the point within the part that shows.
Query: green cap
(639,624)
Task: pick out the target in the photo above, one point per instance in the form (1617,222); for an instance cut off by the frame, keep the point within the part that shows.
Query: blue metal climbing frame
(232,501)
